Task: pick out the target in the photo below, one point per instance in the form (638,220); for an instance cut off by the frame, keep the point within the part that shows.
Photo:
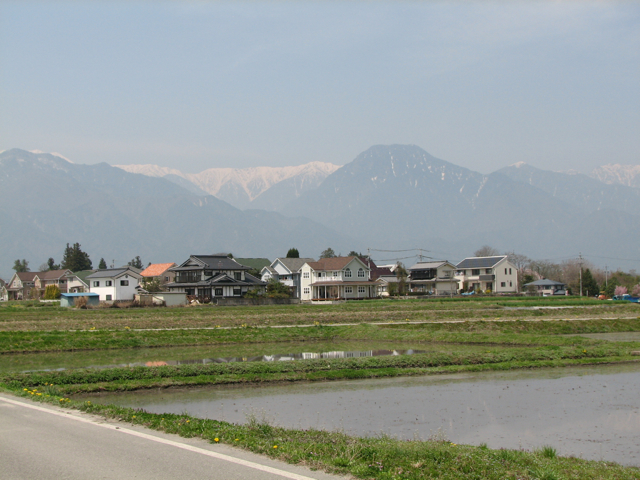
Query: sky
(197,85)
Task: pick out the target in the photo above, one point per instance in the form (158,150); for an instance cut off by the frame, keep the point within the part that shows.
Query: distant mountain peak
(519,165)
(55,154)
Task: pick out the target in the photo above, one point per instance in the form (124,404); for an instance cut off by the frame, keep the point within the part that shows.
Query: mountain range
(390,197)
(268,187)
(117,215)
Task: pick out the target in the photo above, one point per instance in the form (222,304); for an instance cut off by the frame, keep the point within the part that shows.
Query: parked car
(627,298)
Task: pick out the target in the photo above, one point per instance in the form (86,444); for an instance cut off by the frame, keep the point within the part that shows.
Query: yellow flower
(237,439)
(275,446)
(188,421)
(134,416)
(216,439)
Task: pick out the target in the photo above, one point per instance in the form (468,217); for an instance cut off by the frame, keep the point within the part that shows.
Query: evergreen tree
(401,275)
(75,259)
(136,263)
(589,285)
(102,265)
(51,264)
(328,253)
(353,253)
(293,253)
(21,266)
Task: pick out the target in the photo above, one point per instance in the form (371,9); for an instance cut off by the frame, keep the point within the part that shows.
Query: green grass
(380,457)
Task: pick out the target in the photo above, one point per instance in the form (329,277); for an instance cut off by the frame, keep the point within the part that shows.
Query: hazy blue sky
(216,84)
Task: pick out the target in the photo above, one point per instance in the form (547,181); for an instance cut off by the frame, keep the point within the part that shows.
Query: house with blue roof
(494,274)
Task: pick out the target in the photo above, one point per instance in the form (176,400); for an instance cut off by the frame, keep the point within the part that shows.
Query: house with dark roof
(546,287)
(337,278)
(495,274)
(436,278)
(20,285)
(287,271)
(208,277)
(114,284)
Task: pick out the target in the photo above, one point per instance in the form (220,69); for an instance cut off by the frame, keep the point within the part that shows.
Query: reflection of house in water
(287,357)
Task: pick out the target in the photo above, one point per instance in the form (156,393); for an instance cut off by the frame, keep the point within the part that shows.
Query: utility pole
(606,274)
(580,257)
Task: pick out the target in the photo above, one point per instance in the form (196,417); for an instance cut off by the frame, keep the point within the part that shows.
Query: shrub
(636,291)
(80,302)
(52,292)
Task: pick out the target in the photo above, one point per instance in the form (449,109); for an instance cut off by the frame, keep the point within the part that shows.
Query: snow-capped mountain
(241,186)
(628,175)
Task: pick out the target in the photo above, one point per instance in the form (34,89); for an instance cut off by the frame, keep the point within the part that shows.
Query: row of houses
(210,277)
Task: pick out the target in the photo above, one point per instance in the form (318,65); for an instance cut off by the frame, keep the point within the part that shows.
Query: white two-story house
(337,278)
(287,271)
(114,284)
(495,274)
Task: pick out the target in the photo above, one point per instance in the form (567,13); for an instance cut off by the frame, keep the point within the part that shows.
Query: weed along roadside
(509,345)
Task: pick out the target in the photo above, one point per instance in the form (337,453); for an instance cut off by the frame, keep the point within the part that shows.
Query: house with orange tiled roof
(159,271)
(337,278)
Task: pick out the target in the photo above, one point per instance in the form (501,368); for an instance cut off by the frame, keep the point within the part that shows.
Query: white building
(337,278)
(286,271)
(496,274)
(436,278)
(114,283)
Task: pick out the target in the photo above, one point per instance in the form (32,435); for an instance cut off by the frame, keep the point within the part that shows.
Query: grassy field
(513,333)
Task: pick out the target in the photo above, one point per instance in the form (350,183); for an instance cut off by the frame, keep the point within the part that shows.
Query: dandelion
(216,439)
(188,421)
(237,439)
(134,416)
(127,328)
(25,389)
(275,446)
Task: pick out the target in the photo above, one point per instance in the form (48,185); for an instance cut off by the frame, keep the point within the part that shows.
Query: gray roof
(480,262)
(545,282)
(213,262)
(113,272)
(428,265)
(294,264)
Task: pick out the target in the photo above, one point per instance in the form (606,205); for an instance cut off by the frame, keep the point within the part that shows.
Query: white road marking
(202,451)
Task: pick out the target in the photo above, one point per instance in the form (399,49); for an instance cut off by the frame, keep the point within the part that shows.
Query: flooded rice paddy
(593,412)
(266,352)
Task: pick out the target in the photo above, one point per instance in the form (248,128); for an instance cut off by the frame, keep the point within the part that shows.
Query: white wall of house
(114,288)
(354,271)
(505,281)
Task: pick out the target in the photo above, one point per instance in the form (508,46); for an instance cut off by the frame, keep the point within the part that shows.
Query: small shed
(69,299)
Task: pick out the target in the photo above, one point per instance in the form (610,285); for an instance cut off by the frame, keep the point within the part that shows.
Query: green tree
(51,263)
(589,285)
(328,253)
(293,253)
(75,259)
(136,263)
(21,266)
(102,265)
(276,289)
(152,285)
(353,253)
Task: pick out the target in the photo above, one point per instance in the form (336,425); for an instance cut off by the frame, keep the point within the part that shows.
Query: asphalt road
(47,442)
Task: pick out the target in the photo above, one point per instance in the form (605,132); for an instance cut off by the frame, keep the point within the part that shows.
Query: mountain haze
(117,215)
(628,175)
(242,186)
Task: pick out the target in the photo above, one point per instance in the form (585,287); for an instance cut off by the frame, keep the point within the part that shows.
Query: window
(166,279)
(237,292)
(96,283)
(108,283)
(305,275)
(360,273)
(503,284)
(335,274)
(218,292)
(320,274)
(109,298)
(362,289)
(348,289)
(347,273)
(505,270)
(509,271)
(487,271)
(511,284)
(124,283)
(237,275)
(306,290)
(475,271)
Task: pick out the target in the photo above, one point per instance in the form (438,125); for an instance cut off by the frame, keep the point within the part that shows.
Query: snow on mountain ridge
(253,181)
(628,175)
